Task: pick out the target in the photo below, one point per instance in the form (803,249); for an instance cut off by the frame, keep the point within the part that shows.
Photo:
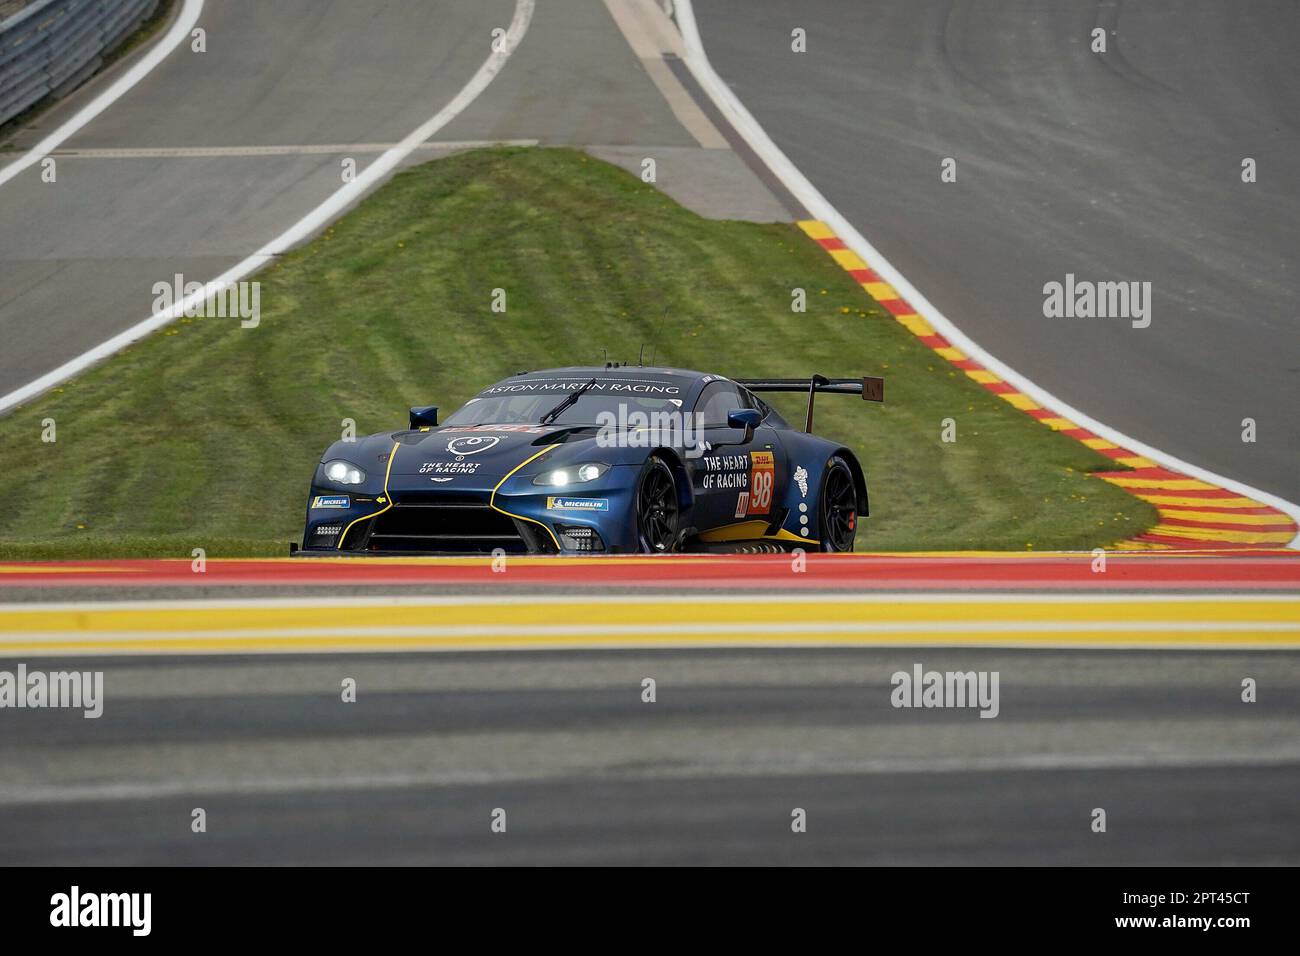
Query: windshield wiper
(570,399)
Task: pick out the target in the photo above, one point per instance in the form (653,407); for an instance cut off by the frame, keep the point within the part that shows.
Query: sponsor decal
(761,479)
(472,446)
(636,386)
(753,475)
(449,468)
(328,530)
(801,479)
(331,501)
(557,503)
(436,478)
(527,429)
(725,472)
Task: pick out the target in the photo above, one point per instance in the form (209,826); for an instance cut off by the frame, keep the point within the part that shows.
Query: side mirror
(746,418)
(424,416)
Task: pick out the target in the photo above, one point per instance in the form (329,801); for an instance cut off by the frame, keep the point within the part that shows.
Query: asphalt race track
(83,257)
(710,773)
(1123,166)
(746,725)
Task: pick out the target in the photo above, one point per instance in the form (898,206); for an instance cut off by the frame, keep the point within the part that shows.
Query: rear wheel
(839,507)
(657,513)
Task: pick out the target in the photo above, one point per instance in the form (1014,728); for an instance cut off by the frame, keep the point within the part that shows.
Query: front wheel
(839,507)
(657,513)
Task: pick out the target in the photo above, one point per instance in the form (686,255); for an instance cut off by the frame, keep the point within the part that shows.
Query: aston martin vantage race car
(614,459)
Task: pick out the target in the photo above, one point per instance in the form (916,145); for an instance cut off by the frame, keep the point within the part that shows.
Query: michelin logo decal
(577,504)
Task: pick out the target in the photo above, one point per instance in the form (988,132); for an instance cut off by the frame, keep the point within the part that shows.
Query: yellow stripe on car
(388,499)
(493,498)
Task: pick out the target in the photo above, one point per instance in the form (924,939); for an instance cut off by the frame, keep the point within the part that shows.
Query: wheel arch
(859,478)
(685,494)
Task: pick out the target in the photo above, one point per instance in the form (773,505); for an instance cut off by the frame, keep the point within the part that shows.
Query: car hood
(472,450)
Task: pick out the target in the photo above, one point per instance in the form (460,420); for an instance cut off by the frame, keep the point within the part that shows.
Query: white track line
(174,37)
(339,780)
(697,61)
(302,229)
(207,152)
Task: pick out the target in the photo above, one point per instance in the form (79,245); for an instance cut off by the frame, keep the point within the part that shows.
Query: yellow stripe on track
(1226,517)
(1184,501)
(1278,538)
(358,624)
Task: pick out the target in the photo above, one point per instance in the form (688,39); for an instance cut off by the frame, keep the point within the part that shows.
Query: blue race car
(615,459)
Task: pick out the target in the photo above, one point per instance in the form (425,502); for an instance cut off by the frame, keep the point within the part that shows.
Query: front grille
(454,526)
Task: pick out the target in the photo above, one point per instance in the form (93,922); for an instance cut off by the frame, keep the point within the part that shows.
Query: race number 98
(762,476)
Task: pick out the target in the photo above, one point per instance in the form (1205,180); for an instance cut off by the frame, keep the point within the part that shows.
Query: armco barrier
(50,46)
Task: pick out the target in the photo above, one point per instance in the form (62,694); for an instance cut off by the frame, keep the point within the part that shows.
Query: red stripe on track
(1115,452)
(1170,518)
(1210,507)
(897,307)
(1200,545)
(1158,474)
(1263,568)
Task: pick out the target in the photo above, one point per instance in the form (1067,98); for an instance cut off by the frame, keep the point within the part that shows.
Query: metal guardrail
(50,46)
(9,7)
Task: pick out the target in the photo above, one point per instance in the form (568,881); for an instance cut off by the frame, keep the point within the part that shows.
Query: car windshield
(520,409)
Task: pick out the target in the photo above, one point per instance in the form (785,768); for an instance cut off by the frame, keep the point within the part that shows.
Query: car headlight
(573,475)
(344,472)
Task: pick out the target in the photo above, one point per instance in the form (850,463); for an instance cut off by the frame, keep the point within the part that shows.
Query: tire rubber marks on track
(1193,513)
(331,208)
(923,318)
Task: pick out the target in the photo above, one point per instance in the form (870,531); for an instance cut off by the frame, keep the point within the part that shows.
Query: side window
(717,400)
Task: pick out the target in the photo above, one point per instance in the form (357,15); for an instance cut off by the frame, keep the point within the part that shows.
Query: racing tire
(838,504)
(658,514)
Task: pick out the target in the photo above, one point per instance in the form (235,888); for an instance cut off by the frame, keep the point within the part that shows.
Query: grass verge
(205,434)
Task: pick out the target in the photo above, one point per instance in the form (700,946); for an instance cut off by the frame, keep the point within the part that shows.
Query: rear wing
(871,388)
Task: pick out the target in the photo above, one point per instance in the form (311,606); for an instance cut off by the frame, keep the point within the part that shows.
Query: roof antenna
(654,350)
(640,356)
(605,352)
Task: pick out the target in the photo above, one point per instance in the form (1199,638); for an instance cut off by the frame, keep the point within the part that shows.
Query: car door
(734,481)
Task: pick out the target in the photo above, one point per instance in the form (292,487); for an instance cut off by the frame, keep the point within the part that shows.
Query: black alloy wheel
(839,507)
(656,507)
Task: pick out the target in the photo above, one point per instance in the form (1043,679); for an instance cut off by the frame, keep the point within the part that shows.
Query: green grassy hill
(205,434)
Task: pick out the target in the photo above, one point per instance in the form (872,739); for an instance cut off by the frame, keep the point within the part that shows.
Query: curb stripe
(1177,527)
